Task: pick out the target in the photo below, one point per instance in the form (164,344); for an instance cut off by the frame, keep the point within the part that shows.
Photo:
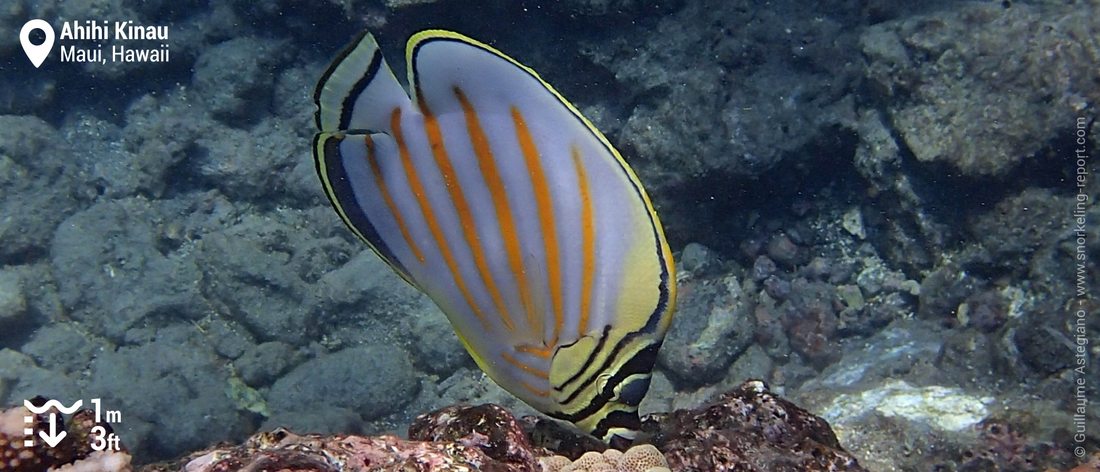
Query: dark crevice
(716,209)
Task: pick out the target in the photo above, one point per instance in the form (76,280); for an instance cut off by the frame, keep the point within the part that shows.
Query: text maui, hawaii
(117,32)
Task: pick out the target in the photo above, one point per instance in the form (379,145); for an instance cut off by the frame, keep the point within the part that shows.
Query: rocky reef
(746,429)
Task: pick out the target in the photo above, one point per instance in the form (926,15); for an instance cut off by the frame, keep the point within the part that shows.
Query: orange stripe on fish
(588,239)
(375,169)
(540,392)
(542,374)
(429,216)
(545,203)
(542,352)
(497,190)
(465,216)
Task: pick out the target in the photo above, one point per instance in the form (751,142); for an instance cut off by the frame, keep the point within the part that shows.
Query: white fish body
(491,193)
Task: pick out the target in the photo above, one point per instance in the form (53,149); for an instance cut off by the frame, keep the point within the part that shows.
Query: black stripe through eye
(640,364)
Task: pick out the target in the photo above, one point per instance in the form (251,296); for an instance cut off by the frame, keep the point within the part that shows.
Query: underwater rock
(893,352)
(942,408)
(784,251)
(41,304)
(762,268)
(491,428)
(145,157)
(174,391)
(33,166)
(485,437)
(62,347)
(256,164)
(1034,344)
(713,326)
(283,450)
(943,290)
(257,270)
(466,386)
(435,346)
(261,364)
(21,378)
(1004,446)
(811,321)
(699,260)
(987,311)
(317,419)
(370,380)
(112,272)
(733,97)
(13,303)
(1021,225)
(240,94)
(616,8)
(228,338)
(749,429)
(974,96)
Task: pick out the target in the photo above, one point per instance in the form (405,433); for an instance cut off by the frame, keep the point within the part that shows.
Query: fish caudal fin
(358,91)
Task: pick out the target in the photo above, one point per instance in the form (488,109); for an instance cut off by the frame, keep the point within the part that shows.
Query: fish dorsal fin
(358,91)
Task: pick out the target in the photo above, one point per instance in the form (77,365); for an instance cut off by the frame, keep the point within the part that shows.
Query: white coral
(11,421)
(99,461)
(643,458)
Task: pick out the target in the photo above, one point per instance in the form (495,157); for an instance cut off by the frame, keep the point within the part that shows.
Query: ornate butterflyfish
(487,190)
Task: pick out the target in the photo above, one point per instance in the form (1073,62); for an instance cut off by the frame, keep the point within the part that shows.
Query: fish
(484,188)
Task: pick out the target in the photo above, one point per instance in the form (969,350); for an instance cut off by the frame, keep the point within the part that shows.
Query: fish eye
(632,390)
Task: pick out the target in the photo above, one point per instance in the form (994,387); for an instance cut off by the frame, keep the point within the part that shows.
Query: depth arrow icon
(54,438)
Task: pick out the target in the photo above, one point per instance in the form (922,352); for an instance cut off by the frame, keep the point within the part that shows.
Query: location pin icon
(36,53)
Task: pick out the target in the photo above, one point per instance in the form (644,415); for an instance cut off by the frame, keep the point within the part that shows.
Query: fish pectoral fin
(359,91)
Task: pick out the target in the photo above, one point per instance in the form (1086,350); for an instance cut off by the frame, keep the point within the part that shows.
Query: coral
(643,458)
(100,461)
